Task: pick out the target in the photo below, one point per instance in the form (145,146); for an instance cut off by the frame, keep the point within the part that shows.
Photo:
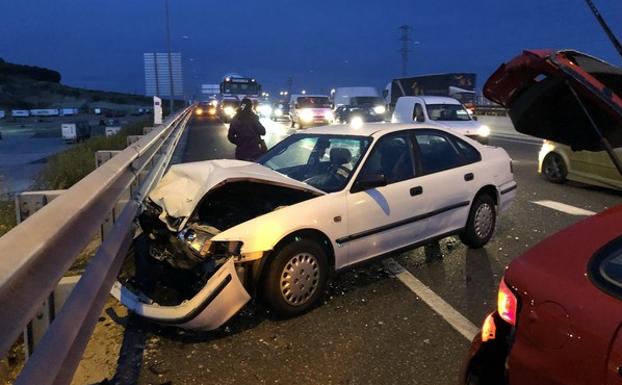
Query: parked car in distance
(280,111)
(559,312)
(322,201)
(558,163)
(310,110)
(439,111)
(361,109)
(75,132)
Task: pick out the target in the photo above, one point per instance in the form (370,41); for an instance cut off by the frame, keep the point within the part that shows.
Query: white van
(343,95)
(310,110)
(442,112)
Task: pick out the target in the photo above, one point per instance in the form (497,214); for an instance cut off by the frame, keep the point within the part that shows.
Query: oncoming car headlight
(380,110)
(328,115)
(278,112)
(265,110)
(198,111)
(306,115)
(356,122)
(483,131)
(230,111)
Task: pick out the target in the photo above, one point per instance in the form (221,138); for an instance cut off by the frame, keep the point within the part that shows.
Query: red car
(559,313)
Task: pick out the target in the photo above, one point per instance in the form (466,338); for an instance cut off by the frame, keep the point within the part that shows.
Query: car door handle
(416,191)
(469,176)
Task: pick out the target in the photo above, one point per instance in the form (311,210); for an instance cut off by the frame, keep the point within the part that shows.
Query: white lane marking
(564,208)
(451,315)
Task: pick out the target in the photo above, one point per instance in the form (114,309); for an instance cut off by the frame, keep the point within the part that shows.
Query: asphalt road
(371,328)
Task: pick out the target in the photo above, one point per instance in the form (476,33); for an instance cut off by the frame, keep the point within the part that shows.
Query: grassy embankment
(64,169)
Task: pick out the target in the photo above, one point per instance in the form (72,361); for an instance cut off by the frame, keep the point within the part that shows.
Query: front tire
(481,223)
(295,278)
(554,168)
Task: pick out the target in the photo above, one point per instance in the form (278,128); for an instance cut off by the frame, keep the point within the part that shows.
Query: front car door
(383,219)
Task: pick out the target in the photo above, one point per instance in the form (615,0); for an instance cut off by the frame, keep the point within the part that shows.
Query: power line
(605,27)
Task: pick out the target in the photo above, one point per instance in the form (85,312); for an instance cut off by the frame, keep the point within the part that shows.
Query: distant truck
(75,132)
(460,86)
(68,111)
(44,112)
(20,113)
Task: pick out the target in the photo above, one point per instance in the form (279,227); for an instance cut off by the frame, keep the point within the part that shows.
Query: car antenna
(603,139)
(605,27)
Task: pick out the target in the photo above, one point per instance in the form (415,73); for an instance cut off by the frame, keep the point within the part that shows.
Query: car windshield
(367,100)
(447,112)
(325,162)
(314,101)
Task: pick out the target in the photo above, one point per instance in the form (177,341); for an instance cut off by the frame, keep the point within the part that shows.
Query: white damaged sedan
(215,233)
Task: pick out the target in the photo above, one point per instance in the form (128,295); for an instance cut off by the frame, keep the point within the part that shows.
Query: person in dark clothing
(245,132)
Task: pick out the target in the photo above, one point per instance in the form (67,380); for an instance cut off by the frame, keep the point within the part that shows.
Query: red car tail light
(507,304)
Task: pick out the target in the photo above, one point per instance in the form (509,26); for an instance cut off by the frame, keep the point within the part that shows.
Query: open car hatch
(564,96)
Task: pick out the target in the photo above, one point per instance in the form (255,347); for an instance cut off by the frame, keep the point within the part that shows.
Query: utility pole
(405,39)
(605,27)
(170,60)
(290,83)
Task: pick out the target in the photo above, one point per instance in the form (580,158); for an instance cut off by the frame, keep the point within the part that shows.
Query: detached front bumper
(219,300)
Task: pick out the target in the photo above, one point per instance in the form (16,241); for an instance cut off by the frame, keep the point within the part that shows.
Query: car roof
(433,99)
(367,129)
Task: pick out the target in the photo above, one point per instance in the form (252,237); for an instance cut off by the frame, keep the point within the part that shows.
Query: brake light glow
(507,304)
(489,329)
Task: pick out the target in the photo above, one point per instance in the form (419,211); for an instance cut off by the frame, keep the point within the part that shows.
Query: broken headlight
(198,239)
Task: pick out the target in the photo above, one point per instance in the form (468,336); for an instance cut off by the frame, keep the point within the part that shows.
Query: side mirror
(369,181)
(473,117)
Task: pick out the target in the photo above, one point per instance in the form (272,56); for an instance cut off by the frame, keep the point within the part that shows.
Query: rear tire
(554,168)
(481,223)
(295,278)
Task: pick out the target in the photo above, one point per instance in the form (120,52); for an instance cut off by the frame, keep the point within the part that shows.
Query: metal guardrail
(36,254)
(493,110)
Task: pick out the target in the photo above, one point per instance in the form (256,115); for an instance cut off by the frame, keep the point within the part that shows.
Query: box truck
(75,132)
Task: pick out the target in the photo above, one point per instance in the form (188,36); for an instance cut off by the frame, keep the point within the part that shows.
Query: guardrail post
(102,157)
(47,312)
(29,202)
(131,139)
(26,204)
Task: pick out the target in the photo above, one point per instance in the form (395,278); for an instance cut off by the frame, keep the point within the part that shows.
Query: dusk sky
(322,44)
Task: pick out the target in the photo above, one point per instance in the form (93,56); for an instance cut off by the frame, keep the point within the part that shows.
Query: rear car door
(603,169)
(385,218)
(448,177)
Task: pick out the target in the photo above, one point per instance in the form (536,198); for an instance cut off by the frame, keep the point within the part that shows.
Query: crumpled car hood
(536,88)
(184,185)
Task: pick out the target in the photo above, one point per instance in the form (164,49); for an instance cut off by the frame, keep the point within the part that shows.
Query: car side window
(418,115)
(468,152)
(437,153)
(392,157)
(605,268)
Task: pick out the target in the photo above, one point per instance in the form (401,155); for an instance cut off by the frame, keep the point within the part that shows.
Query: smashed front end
(177,273)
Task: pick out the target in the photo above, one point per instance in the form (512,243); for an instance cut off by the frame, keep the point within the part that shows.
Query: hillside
(23,86)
